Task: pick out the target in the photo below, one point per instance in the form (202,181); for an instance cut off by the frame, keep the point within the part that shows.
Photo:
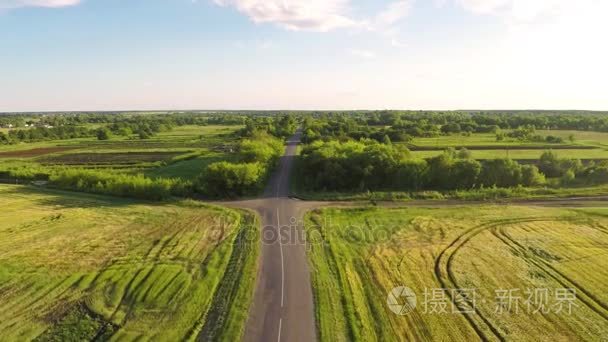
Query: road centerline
(282,258)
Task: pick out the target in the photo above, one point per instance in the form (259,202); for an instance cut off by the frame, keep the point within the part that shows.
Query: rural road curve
(283,302)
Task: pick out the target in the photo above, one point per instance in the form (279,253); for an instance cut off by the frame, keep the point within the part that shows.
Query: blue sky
(302,54)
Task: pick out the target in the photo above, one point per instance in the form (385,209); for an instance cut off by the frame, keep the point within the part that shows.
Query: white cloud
(316,15)
(5,4)
(394,12)
(297,15)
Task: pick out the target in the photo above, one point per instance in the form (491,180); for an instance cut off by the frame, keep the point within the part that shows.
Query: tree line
(369,165)
(397,129)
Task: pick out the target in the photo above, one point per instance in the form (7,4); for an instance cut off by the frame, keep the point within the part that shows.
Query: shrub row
(123,185)
(368,165)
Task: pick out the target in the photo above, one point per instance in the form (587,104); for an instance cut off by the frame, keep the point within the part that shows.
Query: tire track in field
(449,253)
(153,254)
(438,275)
(590,300)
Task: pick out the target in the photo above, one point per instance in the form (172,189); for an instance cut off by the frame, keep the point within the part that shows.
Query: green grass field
(586,145)
(194,147)
(77,267)
(523,154)
(358,256)
(582,138)
(476,139)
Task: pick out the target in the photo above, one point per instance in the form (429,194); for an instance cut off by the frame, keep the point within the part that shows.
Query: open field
(586,145)
(80,267)
(34,152)
(457,140)
(182,137)
(110,158)
(188,169)
(460,262)
(523,154)
(582,138)
(180,153)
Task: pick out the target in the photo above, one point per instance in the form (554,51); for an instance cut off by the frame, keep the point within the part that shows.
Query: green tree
(386,140)
(502,173)
(103,134)
(531,176)
(230,179)
(463,153)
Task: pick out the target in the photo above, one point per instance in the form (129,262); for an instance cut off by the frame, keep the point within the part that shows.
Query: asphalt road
(283,303)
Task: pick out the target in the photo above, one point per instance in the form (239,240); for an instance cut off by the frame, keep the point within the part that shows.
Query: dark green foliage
(144,134)
(402,125)
(531,176)
(123,185)
(49,133)
(103,134)
(596,174)
(451,128)
(4,139)
(22,172)
(79,324)
(553,166)
(502,173)
(224,179)
(257,157)
(281,126)
(368,165)
(352,165)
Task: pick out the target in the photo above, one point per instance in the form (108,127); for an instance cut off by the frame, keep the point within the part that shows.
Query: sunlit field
(585,145)
(483,272)
(180,153)
(85,267)
(523,154)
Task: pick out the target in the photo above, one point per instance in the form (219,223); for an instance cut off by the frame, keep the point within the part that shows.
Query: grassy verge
(358,256)
(229,310)
(498,194)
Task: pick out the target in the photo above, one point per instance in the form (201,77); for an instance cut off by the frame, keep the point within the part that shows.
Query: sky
(59,55)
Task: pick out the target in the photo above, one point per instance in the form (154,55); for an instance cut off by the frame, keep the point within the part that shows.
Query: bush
(103,134)
(531,176)
(246,177)
(267,150)
(232,180)
(123,185)
(552,166)
(596,174)
(23,172)
(502,173)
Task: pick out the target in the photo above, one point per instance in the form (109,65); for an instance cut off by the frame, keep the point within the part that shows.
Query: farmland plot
(79,267)
(492,273)
(110,158)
